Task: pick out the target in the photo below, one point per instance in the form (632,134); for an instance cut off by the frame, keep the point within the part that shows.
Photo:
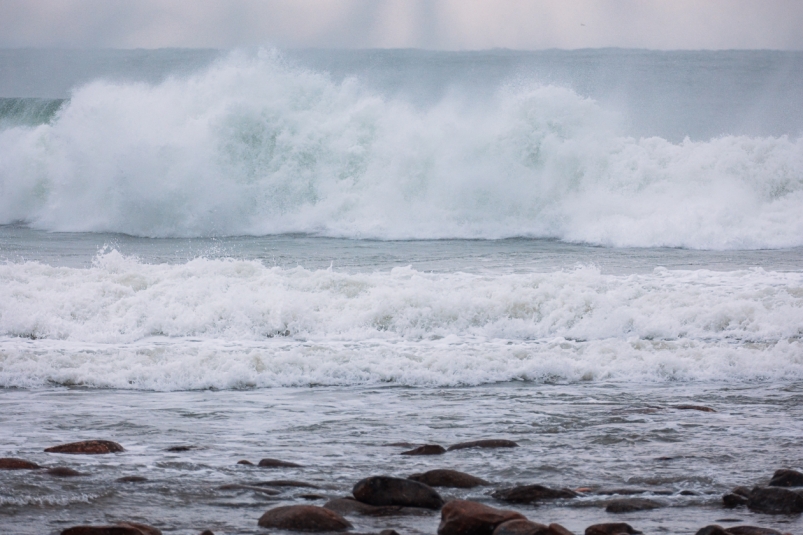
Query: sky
(431,24)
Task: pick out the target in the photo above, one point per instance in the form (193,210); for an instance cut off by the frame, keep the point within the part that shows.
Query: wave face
(253,146)
(234,324)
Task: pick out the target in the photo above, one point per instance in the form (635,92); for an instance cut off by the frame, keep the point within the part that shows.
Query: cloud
(437,24)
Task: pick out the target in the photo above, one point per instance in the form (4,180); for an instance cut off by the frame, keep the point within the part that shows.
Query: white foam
(232,324)
(252,146)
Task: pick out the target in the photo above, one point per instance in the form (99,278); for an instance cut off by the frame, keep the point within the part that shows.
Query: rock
(286,483)
(87,447)
(245,462)
(712,530)
(687,493)
(427,449)
(207,532)
(629,505)
(350,506)
(742,491)
(63,471)
(694,408)
(617,528)
(489,443)
(311,497)
(388,532)
(631,492)
(461,517)
(384,490)
(751,530)
(531,494)
(786,478)
(261,490)
(525,527)
(775,501)
(276,463)
(557,529)
(179,449)
(131,479)
(303,518)
(123,528)
(732,500)
(10,463)
(448,478)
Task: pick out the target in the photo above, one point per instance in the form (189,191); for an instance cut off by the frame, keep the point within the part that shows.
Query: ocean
(331,256)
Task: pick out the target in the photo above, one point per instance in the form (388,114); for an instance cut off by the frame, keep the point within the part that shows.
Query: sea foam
(233,324)
(254,146)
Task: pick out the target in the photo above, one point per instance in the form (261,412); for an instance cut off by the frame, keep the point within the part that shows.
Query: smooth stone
(286,483)
(63,471)
(276,463)
(713,529)
(384,490)
(700,408)
(532,494)
(236,486)
(311,497)
(752,530)
(521,526)
(786,478)
(179,449)
(448,478)
(630,505)
(123,528)
(245,462)
(488,443)
(350,506)
(131,479)
(775,501)
(427,449)
(732,500)
(388,532)
(10,463)
(87,447)
(303,518)
(461,517)
(207,532)
(611,528)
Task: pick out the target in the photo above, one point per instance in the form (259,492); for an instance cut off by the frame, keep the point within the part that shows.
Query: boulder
(713,529)
(613,528)
(775,501)
(525,527)
(179,449)
(786,478)
(207,532)
(384,490)
(276,463)
(448,478)
(532,494)
(350,506)
(427,449)
(488,443)
(461,517)
(87,447)
(63,471)
(245,462)
(630,505)
(303,518)
(10,463)
(751,530)
(732,500)
(123,528)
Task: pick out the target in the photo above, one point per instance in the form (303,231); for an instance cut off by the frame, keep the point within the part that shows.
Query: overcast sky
(434,24)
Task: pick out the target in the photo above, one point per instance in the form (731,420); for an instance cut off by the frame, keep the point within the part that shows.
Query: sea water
(321,256)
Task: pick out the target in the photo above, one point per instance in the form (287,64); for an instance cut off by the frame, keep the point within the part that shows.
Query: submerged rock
(738,530)
(276,463)
(612,528)
(261,490)
(303,518)
(350,506)
(448,478)
(461,517)
(63,471)
(179,449)
(87,447)
(131,479)
(10,463)
(630,505)
(488,443)
(526,527)
(775,501)
(245,462)
(732,500)
(427,449)
(384,490)
(287,483)
(700,408)
(532,494)
(123,528)
(786,478)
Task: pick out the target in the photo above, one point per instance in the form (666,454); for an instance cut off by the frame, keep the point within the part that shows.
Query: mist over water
(256,144)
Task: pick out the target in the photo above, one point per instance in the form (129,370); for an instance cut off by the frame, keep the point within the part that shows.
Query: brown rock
(286,483)
(557,529)
(87,447)
(742,491)
(388,532)
(713,529)
(751,530)
(276,463)
(350,506)
(613,528)
(532,494)
(207,532)
(123,528)
(630,505)
(245,462)
(775,501)
(521,526)
(427,449)
(461,517)
(303,518)
(131,479)
(311,497)
(732,500)
(694,408)
(63,471)
(384,490)
(786,478)
(489,443)
(448,478)
(10,463)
